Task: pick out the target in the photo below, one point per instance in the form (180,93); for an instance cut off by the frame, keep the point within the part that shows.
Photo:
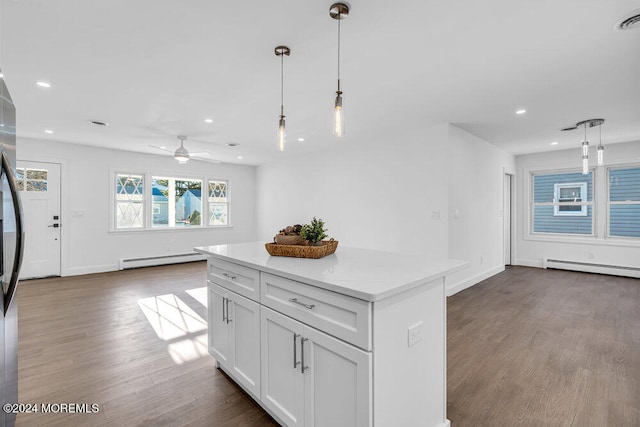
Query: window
(178,202)
(624,202)
(567,196)
(218,203)
(129,201)
(31,179)
(144,201)
(563,203)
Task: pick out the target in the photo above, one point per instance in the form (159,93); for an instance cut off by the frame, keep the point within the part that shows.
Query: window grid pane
(557,203)
(218,203)
(624,202)
(129,201)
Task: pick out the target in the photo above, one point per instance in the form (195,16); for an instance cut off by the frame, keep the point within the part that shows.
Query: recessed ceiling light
(208,120)
(48,131)
(554,143)
(300,139)
(98,123)
(232,144)
(1,76)
(163,147)
(43,84)
(521,111)
(239,157)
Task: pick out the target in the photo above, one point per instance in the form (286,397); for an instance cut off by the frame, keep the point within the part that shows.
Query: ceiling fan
(182,155)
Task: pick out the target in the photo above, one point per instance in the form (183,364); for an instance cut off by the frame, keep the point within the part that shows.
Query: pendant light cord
(339,19)
(282,85)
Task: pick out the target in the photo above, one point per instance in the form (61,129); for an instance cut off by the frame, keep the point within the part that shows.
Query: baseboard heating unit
(589,267)
(125,264)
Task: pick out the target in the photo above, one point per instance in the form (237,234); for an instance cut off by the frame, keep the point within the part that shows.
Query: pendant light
(585,152)
(600,147)
(585,144)
(338,11)
(281,51)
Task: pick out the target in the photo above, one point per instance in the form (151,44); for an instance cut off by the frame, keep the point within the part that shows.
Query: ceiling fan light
(181,155)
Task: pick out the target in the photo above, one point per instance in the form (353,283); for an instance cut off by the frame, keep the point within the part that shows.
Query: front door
(39,185)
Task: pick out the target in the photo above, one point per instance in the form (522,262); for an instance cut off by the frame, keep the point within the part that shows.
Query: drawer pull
(227,275)
(295,301)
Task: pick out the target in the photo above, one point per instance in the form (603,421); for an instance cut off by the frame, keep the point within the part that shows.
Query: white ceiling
(154,69)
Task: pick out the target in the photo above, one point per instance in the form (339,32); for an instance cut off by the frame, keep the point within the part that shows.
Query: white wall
(476,218)
(398,195)
(88,244)
(532,250)
(374,195)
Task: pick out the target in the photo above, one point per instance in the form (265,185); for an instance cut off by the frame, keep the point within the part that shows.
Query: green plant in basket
(314,232)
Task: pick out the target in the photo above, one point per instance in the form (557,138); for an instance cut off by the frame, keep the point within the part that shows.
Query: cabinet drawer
(339,315)
(237,278)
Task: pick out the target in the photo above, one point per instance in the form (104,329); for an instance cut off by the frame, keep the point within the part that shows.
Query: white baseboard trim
(538,263)
(467,283)
(91,269)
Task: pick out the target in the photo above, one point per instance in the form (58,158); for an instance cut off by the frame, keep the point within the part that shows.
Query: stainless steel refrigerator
(11,247)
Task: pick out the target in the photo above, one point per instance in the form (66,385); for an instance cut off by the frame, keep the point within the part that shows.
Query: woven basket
(328,247)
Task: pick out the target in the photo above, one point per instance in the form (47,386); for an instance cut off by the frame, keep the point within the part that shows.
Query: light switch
(415,333)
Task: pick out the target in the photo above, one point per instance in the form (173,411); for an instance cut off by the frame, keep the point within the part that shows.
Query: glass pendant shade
(585,165)
(600,154)
(585,148)
(282,136)
(338,117)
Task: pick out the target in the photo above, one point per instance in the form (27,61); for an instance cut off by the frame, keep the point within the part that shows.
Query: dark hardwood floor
(527,347)
(539,347)
(134,342)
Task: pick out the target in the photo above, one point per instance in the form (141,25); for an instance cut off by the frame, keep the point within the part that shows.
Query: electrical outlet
(435,214)
(415,333)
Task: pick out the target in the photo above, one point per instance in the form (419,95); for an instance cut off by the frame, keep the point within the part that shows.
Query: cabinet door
(281,376)
(337,382)
(218,330)
(244,342)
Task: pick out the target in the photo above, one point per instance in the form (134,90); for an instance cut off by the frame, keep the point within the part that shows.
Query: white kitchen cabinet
(312,379)
(282,381)
(357,338)
(218,336)
(234,335)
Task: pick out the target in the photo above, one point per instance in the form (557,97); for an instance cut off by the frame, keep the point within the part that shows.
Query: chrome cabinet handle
(228,319)
(224,316)
(227,275)
(303,367)
(295,350)
(295,301)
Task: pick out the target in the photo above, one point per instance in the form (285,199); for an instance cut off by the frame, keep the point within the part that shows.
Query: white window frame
(228,202)
(114,202)
(557,187)
(565,237)
(148,208)
(625,202)
(172,203)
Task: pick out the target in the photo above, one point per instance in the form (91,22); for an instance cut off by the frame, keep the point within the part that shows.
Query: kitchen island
(357,338)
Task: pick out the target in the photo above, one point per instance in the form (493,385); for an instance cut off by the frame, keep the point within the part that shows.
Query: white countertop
(361,273)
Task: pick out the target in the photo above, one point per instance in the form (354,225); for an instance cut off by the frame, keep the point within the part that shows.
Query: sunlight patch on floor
(188,349)
(171,317)
(199,294)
